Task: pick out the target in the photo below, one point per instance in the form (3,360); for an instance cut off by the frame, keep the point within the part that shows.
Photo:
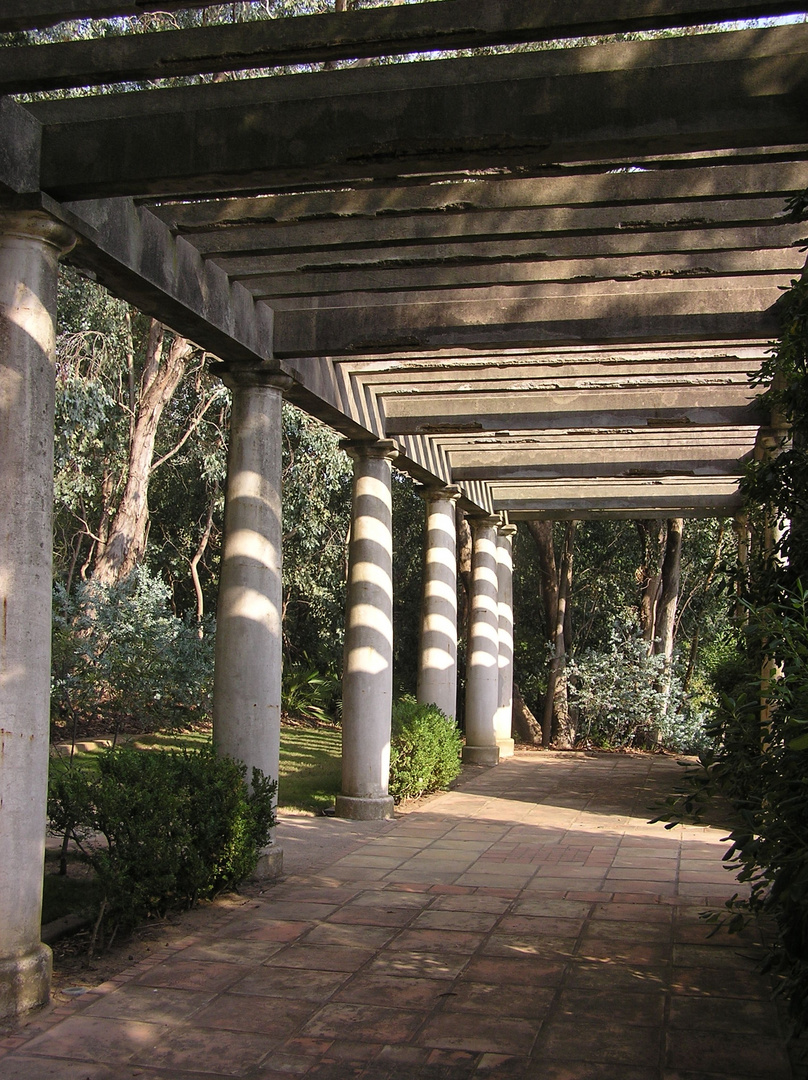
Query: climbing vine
(760,758)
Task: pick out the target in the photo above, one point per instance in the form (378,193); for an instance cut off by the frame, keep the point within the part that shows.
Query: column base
(505,748)
(270,865)
(25,981)
(480,755)
(359,809)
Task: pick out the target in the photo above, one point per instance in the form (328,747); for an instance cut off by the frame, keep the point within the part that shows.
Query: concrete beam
(652,186)
(643,452)
(20,149)
(500,17)
(713,407)
(484,254)
(504,224)
(384,279)
(136,256)
(345,36)
(626,498)
(665,96)
(670,310)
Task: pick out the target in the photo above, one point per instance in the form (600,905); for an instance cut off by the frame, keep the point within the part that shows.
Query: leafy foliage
(119,654)
(176,827)
(424,749)
(760,758)
(625,695)
(308,695)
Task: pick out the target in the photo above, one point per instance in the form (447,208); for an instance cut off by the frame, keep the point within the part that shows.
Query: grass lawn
(309,765)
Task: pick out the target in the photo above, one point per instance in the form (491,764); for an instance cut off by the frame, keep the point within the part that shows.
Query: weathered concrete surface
(249,652)
(344,36)
(367,679)
(685,95)
(30,245)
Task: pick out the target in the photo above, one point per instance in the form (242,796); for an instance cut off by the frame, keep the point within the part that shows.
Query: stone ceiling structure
(545,274)
(539,276)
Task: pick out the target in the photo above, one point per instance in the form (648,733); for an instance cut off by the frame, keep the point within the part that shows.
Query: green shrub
(308,694)
(162,829)
(120,654)
(424,749)
(625,696)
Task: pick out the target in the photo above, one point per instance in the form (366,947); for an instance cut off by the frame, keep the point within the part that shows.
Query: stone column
(30,246)
(437,665)
(367,680)
(247,677)
(482,662)
(504,717)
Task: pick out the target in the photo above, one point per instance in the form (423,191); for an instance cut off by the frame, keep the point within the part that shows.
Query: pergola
(537,279)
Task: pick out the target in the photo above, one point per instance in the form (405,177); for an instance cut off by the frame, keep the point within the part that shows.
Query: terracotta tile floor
(530,925)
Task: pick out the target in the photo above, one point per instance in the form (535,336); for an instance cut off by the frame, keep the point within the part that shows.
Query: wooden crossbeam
(451,24)
(669,96)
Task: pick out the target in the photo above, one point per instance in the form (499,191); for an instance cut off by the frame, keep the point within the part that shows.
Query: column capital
(451,493)
(484,521)
(507,530)
(37,225)
(247,375)
(358,449)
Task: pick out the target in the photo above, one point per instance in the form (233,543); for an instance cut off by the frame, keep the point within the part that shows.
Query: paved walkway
(529,925)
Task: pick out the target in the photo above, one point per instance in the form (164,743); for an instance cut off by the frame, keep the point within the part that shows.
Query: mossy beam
(458,24)
(748,88)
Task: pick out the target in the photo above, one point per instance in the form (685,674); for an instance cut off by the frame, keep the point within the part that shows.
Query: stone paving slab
(530,925)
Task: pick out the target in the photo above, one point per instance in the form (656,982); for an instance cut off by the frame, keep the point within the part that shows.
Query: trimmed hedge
(424,749)
(177,826)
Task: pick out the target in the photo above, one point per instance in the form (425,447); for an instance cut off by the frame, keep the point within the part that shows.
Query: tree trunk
(542,533)
(556,726)
(128,529)
(525,725)
(652,539)
(464,553)
(669,591)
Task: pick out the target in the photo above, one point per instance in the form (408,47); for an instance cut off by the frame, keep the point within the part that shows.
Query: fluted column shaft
(437,667)
(367,680)
(504,717)
(482,663)
(30,246)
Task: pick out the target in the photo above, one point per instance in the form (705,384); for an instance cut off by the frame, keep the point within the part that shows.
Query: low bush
(625,696)
(307,694)
(162,829)
(424,749)
(121,657)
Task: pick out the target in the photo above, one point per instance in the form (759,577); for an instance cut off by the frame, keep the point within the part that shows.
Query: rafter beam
(609,188)
(487,253)
(664,96)
(388,232)
(558,315)
(458,24)
(344,285)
